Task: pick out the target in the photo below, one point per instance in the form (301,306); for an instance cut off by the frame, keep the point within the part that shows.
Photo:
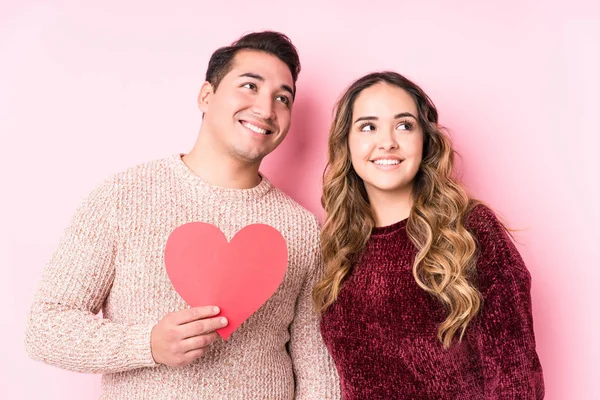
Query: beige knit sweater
(111,260)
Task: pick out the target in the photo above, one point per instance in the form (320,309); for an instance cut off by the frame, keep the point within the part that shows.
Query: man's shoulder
(144,171)
(292,208)
(143,175)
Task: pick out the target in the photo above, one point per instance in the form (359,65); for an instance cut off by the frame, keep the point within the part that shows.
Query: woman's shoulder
(484,223)
(495,244)
(480,214)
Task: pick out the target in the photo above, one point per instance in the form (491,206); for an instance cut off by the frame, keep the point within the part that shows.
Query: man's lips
(257,127)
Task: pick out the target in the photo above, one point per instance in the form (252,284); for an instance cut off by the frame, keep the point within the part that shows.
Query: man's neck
(221,170)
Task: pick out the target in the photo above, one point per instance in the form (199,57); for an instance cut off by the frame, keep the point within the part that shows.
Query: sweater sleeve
(314,370)
(503,331)
(63,328)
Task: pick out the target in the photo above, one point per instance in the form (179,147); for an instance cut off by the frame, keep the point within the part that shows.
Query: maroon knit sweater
(382,329)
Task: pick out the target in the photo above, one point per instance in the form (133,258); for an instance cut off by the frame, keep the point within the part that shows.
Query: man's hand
(183,336)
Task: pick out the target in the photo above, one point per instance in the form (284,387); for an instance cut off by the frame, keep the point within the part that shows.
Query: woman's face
(385,139)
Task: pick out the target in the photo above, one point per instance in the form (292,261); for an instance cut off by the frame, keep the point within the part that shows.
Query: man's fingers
(193,314)
(198,342)
(196,328)
(194,354)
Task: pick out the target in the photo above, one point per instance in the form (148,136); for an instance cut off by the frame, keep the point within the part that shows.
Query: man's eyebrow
(252,75)
(288,89)
(397,116)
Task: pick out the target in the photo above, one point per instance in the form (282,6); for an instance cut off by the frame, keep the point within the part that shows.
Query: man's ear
(204,96)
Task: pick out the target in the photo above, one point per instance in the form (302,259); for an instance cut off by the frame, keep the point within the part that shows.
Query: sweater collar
(188,176)
(384,230)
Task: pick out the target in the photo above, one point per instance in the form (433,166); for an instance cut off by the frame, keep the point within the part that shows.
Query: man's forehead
(257,62)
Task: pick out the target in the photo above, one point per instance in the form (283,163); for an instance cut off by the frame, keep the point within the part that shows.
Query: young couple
(412,290)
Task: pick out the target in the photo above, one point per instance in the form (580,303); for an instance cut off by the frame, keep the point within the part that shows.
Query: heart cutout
(238,276)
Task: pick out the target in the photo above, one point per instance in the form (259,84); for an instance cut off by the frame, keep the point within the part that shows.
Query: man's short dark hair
(269,42)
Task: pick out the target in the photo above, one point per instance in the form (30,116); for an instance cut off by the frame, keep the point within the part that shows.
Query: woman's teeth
(387,162)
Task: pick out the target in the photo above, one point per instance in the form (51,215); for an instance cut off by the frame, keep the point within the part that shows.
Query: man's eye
(249,85)
(283,99)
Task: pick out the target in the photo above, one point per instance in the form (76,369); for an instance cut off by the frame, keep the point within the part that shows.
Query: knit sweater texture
(111,259)
(382,330)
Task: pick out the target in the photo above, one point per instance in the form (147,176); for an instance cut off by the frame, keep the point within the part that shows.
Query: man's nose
(263,106)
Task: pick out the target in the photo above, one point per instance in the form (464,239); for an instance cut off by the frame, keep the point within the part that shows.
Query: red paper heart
(238,276)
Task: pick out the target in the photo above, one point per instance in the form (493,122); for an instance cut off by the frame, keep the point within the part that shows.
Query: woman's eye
(367,128)
(249,85)
(404,126)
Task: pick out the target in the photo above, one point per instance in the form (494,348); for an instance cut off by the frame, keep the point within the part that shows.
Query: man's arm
(63,329)
(315,373)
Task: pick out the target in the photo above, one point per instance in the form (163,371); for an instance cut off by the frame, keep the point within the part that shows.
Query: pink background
(86,91)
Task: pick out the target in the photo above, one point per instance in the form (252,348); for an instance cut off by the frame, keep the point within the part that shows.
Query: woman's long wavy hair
(444,265)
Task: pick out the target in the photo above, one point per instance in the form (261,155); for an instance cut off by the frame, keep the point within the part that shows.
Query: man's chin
(250,157)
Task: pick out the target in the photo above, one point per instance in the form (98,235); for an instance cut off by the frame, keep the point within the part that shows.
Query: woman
(425,295)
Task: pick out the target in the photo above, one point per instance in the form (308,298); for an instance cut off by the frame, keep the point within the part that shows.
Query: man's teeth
(255,128)
(387,162)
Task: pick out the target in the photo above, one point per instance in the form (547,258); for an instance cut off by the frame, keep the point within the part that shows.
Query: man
(149,344)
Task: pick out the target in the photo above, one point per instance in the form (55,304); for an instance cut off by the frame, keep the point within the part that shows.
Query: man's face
(249,114)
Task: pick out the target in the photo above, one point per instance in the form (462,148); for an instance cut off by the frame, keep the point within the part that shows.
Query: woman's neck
(390,207)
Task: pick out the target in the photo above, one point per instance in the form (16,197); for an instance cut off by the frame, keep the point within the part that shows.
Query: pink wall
(88,91)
